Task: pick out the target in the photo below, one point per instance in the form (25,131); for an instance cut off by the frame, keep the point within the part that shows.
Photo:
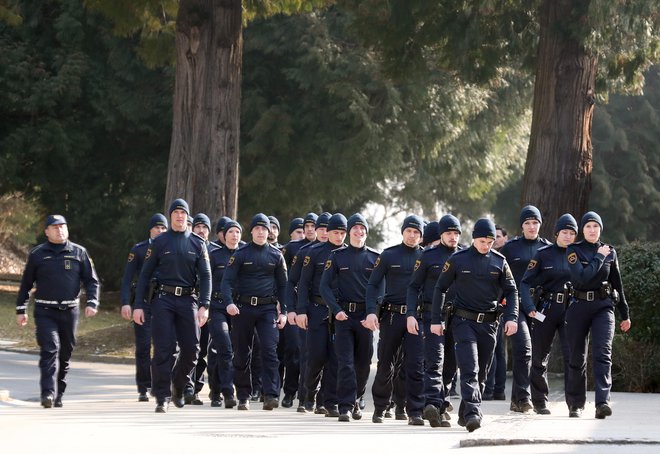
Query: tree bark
(557,176)
(204,152)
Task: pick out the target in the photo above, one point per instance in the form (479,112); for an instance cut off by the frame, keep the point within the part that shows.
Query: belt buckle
(352,307)
(590,295)
(254,300)
(560,298)
(480,317)
(178,291)
(402,309)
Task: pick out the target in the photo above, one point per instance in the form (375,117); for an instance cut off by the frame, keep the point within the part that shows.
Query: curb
(4,395)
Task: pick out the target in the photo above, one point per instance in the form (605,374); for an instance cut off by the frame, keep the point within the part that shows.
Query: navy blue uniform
(592,312)
(142,332)
(347,272)
(518,252)
(255,279)
(419,301)
(395,266)
(548,273)
(221,354)
(57,271)
(479,280)
(179,261)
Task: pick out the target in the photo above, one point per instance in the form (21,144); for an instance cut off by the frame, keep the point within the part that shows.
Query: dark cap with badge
(413,221)
(449,223)
(220,226)
(337,222)
(431,233)
(229,224)
(323,219)
(158,219)
(358,219)
(295,224)
(591,216)
(179,204)
(566,221)
(274,221)
(530,212)
(201,218)
(484,228)
(310,218)
(55,219)
(260,220)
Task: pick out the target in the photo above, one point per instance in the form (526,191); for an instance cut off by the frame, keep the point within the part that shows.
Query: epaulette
(372,250)
(463,251)
(543,248)
(497,254)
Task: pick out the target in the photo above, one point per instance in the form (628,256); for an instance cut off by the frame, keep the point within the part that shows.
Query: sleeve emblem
(131,257)
(417,264)
(328,264)
(446,267)
(532,264)
(306,261)
(572,258)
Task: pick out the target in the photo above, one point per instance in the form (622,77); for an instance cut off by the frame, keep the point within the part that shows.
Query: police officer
(56,267)
(157,225)
(547,275)
(350,268)
(518,252)
(313,316)
(597,289)
(395,267)
(296,229)
(419,303)
(179,261)
(479,275)
(274,232)
(290,249)
(221,354)
(255,280)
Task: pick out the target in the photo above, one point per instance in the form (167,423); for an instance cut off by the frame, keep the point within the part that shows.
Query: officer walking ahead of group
(480,275)
(56,267)
(254,282)
(179,260)
(157,225)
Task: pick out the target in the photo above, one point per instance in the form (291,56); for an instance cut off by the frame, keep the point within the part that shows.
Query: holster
(153,286)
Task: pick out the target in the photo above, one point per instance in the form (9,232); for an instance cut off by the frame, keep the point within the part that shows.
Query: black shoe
(521,406)
(388,413)
(308,407)
(446,416)
(271,403)
(243,404)
(287,401)
(161,406)
(542,410)
(188,396)
(177,398)
(602,410)
(216,401)
(453,393)
(445,420)
(432,415)
(489,396)
(499,396)
(378,417)
(332,412)
(415,421)
(256,396)
(472,424)
(143,397)
(448,406)
(196,400)
(461,421)
(47,401)
(574,412)
(344,416)
(361,403)
(400,413)
(357,412)
(57,403)
(230,401)
(320,410)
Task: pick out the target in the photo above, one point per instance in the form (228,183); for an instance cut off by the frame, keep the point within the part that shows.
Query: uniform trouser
(521,349)
(221,354)
(173,321)
(354,349)
(302,341)
(434,349)
(582,317)
(449,364)
(475,343)
(321,357)
(197,378)
(288,353)
(394,340)
(263,320)
(256,364)
(143,353)
(56,337)
(496,381)
(399,381)
(543,333)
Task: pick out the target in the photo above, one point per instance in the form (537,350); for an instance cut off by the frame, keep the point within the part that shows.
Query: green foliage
(635,365)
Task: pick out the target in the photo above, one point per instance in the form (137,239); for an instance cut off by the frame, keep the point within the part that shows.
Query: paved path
(101,415)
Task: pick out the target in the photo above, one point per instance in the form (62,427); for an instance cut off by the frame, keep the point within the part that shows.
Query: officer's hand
(126,312)
(202,316)
(532,314)
(412,325)
(625,325)
(291,318)
(138,316)
(604,250)
(341,316)
(301,321)
(90,312)
(371,322)
(510,328)
(281,321)
(21,319)
(438,330)
(232,309)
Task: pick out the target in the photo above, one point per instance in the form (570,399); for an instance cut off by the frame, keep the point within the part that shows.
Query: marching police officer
(254,282)
(179,260)
(597,289)
(395,266)
(479,275)
(350,268)
(274,232)
(56,267)
(426,273)
(518,252)
(296,229)
(157,225)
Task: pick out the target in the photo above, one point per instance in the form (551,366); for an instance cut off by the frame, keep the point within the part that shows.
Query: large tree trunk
(559,160)
(203,163)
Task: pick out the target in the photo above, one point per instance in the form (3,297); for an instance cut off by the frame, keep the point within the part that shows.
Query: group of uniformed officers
(260,317)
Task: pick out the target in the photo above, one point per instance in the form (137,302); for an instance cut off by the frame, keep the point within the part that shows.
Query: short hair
(499,227)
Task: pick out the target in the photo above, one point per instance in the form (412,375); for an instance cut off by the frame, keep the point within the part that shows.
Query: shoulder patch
(295,259)
(205,254)
(417,264)
(306,261)
(377,262)
(446,267)
(231,260)
(572,258)
(328,264)
(131,257)
(532,264)
(147,255)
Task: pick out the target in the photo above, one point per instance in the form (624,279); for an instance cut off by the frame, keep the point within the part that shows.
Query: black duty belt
(256,300)
(592,295)
(350,306)
(396,308)
(318,300)
(558,297)
(176,291)
(61,305)
(425,307)
(479,317)
(217,296)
